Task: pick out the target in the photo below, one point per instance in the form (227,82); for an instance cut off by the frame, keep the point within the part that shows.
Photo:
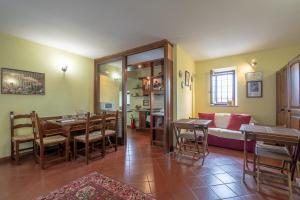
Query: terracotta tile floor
(146,168)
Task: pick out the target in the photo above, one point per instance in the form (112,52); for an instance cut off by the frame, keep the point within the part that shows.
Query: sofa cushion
(226,133)
(236,120)
(222,119)
(208,116)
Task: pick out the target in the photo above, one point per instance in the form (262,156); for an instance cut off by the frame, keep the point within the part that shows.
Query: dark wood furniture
(167,139)
(110,126)
(44,140)
(277,143)
(93,137)
(142,119)
(20,123)
(288,95)
(193,139)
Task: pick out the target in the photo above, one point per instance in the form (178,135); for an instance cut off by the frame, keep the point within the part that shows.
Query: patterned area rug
(96,186)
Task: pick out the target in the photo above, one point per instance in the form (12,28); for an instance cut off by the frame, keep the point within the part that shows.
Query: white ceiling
(205,28)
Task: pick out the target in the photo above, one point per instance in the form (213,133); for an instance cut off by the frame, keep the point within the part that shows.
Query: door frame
(168,81)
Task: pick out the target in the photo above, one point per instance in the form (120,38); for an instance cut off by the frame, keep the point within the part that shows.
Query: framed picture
(21,82)
(146,103)
(187,78)
(254,89)
(157,84)
(254,76)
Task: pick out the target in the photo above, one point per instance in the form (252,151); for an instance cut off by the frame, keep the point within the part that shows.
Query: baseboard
(4,159)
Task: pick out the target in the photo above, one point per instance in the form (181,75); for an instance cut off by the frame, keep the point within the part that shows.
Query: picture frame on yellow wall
(20,82)
(187,78)
(254,76)
(254,89)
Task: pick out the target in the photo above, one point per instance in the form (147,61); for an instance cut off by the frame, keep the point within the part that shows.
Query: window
(223,86)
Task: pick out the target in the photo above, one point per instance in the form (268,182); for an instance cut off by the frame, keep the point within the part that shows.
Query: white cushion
(214,131)
(230,134)
(226,133)
(222,120)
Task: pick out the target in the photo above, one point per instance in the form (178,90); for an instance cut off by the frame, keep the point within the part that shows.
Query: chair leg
(17,153)
(116,143)
(257,175)
(298,168)
(67,149)
(103,147)
(42,158)
(87,153)
(75,149)
(33,148)
(12,150)
(254,163)
(290,182)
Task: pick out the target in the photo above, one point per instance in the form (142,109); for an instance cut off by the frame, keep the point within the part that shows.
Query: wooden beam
(140,49)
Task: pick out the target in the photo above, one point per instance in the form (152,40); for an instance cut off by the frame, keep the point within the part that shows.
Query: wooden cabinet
(288,95)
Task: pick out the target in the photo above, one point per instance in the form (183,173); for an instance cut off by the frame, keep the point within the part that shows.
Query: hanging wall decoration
(187,78)
(254,89)
(21,82)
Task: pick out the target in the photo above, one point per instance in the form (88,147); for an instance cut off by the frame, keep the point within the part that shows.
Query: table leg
(67,130)
(245,154)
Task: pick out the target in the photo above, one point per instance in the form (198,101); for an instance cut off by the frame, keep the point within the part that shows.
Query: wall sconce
(64,69)
(253,63)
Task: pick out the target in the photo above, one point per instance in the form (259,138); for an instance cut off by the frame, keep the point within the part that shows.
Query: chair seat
(190,135)
(23,138)
(272,151)
(109,132)
(97,135)
(52,140)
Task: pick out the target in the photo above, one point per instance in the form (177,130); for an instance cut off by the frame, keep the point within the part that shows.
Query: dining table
(71,125)
(278,135)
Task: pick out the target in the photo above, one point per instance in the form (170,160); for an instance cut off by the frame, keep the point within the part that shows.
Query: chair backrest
(93,123)
(14,125)
(37,128)
(110,120)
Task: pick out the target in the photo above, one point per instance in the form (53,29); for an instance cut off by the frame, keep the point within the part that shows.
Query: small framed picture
(145,102)
(254,89)
(254,76)
(187,78)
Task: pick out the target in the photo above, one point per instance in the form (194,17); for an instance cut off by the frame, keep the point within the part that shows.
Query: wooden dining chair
(21,132)
(110,126)
(47,140)
(190,139)
(275,148)
(92,138)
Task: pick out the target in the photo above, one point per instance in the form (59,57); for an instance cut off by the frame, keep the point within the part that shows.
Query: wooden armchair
(93,136)
(44,141)
(279,148)
(17,139)
(110,126)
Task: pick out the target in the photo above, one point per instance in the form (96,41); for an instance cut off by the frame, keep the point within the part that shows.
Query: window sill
(213,105)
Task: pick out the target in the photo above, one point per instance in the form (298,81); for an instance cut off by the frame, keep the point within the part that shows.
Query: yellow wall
(184,98)
(110,90)
(263,109)
(65,93)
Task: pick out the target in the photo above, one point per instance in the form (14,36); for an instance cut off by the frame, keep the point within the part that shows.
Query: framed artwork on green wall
(21,82)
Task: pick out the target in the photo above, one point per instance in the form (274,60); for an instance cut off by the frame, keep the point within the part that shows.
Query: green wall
(65,93)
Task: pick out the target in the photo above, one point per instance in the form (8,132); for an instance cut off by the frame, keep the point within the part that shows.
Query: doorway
(146,89)
(110,91)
